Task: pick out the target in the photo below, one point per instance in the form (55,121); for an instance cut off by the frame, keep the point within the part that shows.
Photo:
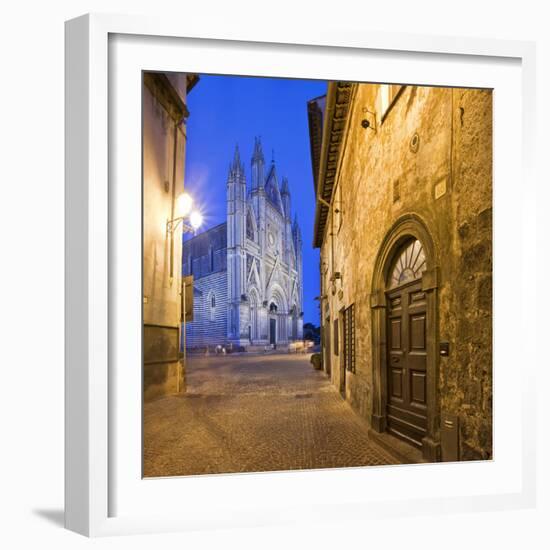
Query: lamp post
(190,221)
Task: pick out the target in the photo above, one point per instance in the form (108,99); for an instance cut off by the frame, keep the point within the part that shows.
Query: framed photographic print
(292,280)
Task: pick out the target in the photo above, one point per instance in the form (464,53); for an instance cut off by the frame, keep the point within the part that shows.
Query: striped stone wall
(209,325)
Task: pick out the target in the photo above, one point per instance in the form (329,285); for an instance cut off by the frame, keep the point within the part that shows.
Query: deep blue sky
(226,110)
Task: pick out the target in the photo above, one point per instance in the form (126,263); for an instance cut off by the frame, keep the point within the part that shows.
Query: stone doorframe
(405,228)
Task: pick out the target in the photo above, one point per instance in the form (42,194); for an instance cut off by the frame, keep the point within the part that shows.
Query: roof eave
(336,113)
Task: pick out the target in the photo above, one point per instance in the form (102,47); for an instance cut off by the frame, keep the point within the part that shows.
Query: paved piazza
(250,413)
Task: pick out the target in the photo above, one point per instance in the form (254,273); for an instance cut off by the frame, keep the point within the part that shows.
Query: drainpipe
(173,204)
(172,215)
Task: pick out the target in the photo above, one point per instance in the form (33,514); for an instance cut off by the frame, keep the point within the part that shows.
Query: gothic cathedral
(248,277)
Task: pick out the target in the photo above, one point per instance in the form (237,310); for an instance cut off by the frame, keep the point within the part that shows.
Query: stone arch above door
(277,295)
(408,228)
(405,228)
(278,298)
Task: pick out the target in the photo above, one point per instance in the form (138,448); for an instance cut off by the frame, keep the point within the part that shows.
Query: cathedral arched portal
(404,307)
(277,316)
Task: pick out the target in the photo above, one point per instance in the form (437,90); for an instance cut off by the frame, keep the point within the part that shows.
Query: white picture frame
(98,499)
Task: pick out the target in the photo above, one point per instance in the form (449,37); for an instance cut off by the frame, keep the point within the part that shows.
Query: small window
(349,338)
(211,259)
(386,97)
(212,306)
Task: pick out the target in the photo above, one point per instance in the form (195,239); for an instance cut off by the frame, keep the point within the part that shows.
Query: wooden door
(272,331)
(406,371)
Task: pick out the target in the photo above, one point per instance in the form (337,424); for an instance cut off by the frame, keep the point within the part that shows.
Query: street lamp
(183,214)
(190,221)
(184,203)
(195,219)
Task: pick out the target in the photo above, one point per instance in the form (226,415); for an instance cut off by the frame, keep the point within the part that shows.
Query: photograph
(291,261)
(317,274)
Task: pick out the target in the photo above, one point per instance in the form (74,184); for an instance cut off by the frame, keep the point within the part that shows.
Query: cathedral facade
(247,271)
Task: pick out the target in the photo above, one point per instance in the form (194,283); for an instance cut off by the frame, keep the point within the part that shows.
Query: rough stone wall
(466,377)
(429,154)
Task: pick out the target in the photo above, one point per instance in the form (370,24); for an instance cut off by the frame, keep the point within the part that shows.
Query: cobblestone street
(254,413)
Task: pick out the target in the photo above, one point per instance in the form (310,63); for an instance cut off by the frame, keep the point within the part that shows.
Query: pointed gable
(284,188)
(272,188)
(253,274)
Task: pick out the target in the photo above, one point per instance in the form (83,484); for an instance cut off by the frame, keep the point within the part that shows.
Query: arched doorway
(273,324)
(406,407)
(404,322)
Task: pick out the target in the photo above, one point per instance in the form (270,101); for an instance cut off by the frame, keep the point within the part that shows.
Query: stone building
(403,179)
(164,136)
(248,288)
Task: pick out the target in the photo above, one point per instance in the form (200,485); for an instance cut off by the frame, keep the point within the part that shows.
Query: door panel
(418,332)
(397,383)
(418,387)
(396,334)
(406,407)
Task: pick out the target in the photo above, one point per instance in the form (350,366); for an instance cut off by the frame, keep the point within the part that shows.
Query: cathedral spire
(258,162)
(258,151)
(285,198)
(284,187)
(237,166)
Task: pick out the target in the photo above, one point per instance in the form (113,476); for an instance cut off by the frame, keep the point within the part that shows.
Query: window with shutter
(349,338)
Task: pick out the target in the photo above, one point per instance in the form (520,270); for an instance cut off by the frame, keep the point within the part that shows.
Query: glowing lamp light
(195,219)
(184,204)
